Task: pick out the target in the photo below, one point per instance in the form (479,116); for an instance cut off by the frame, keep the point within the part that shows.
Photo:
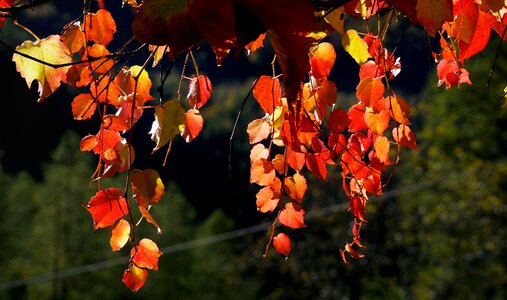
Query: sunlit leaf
(258,130)
(120,235)
(295,186)
(322,60)
(107,207)
(99,26)
(404,136)
(50,50)
(199,91)
(355,46)
(169,121)
(134,277)
(282,244)
(193,125)
(147,187)
(83,106)
(292,216)
(267,92)
(146,254)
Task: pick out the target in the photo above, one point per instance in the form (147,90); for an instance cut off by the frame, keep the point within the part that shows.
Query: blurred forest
(439,232)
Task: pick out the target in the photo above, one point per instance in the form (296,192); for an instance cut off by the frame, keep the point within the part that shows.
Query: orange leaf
(400,110)
(327,92)
(146,214)
(296,160)
(100,66)
(258,151)
(369,91)
(451,74)
(268,197)
(381,146)
(292,216)
(268,92)
(282,244)
(295,186)
(88,142)
(404,136)
(279,163)
(376,121)
(147,187)
(262,172)
(74,38)
(322,60)
(107,207)
(353,253)
(199,91)
(83,106)
(134,277)
(258,130)
(193,125)
(146,254)
(100,26)
(120,235)
(254,45)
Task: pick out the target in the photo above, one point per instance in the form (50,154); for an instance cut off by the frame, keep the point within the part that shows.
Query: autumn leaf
(262,172)
(193,125)
(147,187)
(322,60)
(451,74)
(267,92)
(120,235)
(377,121)
(199,91)
(369,91)
(381,146)
(400,110)
(147,215)
(316,165)
(356,117)
(404,136)
(258,130)
(295,186)
(146,254)
(50,50)
(169,121)
(99,26)
(134,277)
(83,106)
(282,244)
(5,4)
(107,207)
(74,38)
(355,46)
(292,216)
(268,196)
(327,92)
(257,152)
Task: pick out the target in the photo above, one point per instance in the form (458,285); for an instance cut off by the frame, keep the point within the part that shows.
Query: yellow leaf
(355,46)
(50,50)
(120,235)
(169,121)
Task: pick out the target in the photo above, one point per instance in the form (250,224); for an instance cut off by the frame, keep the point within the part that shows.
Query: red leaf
(369,91)
(193,125)
(292,216)
(404,136)
(451,74)
(282,244)
(268,92)
(357,206)
(268,197)
(146,254)
(322,60)
(327,92)
(120,235)
(199,91)
(338,120)
(316,165)
(356,117)
(400,110)
(146,214)
(134,277)
(296,160)
(107,207)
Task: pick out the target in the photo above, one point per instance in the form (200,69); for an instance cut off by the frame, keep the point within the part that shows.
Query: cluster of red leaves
(304,128)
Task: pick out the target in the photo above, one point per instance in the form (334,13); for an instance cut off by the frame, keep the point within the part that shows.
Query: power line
(204,241)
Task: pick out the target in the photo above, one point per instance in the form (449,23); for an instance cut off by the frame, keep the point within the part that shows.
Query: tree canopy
(305,130)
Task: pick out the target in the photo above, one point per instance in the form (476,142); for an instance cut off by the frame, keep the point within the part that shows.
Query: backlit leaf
(295,186)
(268,197)
(369,91)
(193,125)
(355,46)
(99,26)
(381,146)
(199,91)
(400,110)
(134,277)
(74,38)
(83,106)
(282,244)
(147,215)
(267,92)
(120,235)
(50,50)
(258,130)
(292,216)
(404,136)
(262,172)
(147,187)
(322,60)
(146,254)
(107,207)
(377,121)
(169,121)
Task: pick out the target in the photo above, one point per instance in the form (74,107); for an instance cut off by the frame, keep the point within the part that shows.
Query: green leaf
(355,46)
